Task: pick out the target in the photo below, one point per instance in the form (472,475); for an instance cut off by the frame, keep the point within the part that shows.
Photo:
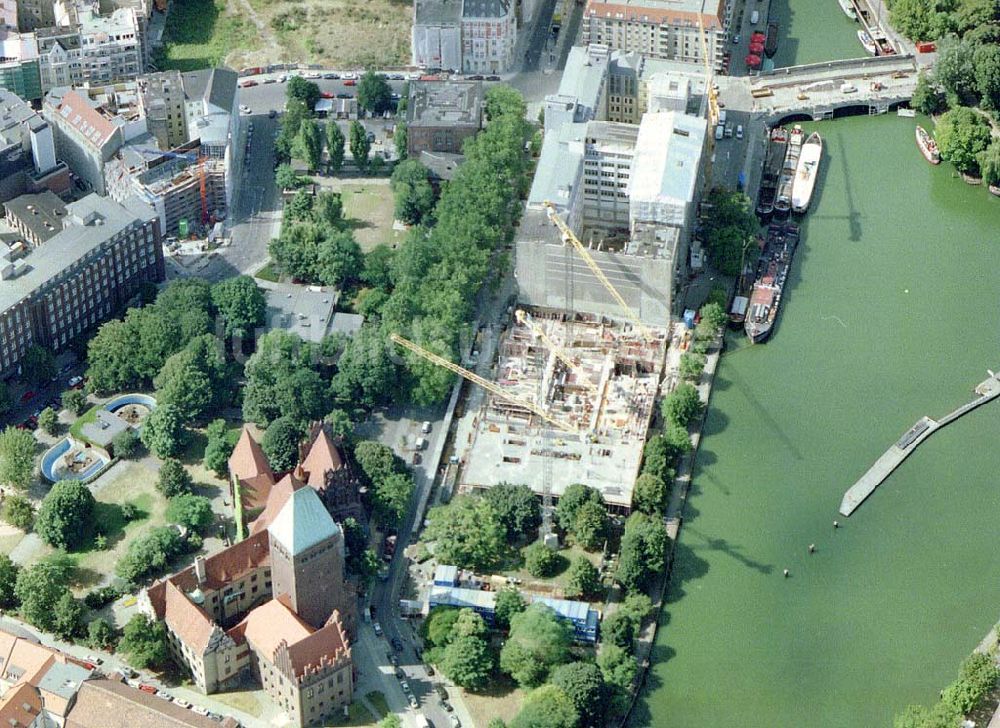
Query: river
(892,313)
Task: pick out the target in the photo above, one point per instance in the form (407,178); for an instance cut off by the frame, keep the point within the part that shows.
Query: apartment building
(441,115)
(27,151)
(489,32)
(164,106)
(19,67)
(269,607)
(96,49)
(436,35)
(664,29)
(52,292)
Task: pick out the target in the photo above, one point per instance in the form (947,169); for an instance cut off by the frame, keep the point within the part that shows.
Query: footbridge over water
(819,90)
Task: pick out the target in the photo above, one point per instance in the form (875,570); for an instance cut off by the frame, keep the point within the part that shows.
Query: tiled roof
(85,119)
(270,624)
(321,458)
(20,706)
(276,500)
(248,459)
(187,620)
(110,704)
(323,645)
(303,522)
(25,660)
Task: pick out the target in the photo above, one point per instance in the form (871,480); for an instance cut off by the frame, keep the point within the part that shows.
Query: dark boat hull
(771,42)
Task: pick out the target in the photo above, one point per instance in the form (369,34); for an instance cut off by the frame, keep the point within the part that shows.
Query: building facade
(163,104)
(441,115)
(78,278)
(660,28)
(489,33)
(436,35)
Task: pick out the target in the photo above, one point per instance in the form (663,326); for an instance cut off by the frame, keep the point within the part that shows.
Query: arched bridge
(818,90)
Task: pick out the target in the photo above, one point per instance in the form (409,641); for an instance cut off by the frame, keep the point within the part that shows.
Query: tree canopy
(282,379)
(538,641)
(241,304)
(682,405)
(413,193)
(191,511)
(144,642)
(509,602)
(374,94)
(547,707)
(584,685)
(335,145)
(305,91)
(643,550)
(584,579)
(38,364)
(65,514)
(149,554)
(174,479)
(38,588)
(962,135)
(163,432)
(728,228)
(518,509)
(359,144)
(17,457)
(467,533)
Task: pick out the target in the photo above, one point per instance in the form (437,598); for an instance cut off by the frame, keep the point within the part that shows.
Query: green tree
(188,302)
(618,629)
(126,444)
(144,642)
(978,675)
(374,94)
(390,721)
(294,250)
(575,496)
(8,580)
(281,443)
(308,144)
(590,528)
(366,375)
(650,494)
(518,509)
(467,533)
(38,364)
(67,616)
(335,145)
(281,380)
(955,70)
(728,227)
(509,602)
(149,554)
(637,606)
(390,498)
(341,425)
(989,163)
(360,146)
(468,662)
(928,96)
(38,588)
(101,635)
(377,461)
(503,101)
(538,641)
(584,579)
(163,431)
(303,90)
(191,511)
(286,178)
(413,192)
(174,479)
(218,447)
(378,267)
(300,207)
(913,18)
(715,314)
(65,515)
(241,304)
(643,550)
(329,209)
(400,140)
(541,561)
(185,385)
(18,512)
(338,259)
(682,405)
(962,135)
(584,685)
(17,457)
(75,401)
(48,420)
(618,668)
(547,707)
(692,365)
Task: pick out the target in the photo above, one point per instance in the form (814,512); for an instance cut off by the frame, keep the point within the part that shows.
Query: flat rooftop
(667,157)
(42,214)
(607,399)
(307,311)
(438,12)
(670,11)
(445,103)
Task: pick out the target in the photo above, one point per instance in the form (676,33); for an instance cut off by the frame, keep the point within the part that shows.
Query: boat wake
(835,318)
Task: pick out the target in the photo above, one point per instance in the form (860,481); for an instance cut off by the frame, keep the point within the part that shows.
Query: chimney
(199,569)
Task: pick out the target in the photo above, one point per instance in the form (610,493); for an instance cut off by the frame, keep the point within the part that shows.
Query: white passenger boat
(848,9)
(806,172)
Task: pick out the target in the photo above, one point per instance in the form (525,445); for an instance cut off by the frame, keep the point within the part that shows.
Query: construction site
(596,381)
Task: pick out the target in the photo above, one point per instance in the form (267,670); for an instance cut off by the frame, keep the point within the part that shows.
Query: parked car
(271,114)
(429,670)
(441,691)
(397,644)
(345,96)
(405,685)
(28,396)
(270,80)
(378,629)
(311,74)
(447,706)
(76,382)
(95,659)
(417,458)
(394,660)
(326,94)
(248,84)
(492,78)
(412,700)
(475,78)
(426,428)
(199,710)
(400,674)
(183,703)
(146,688)
(350,82)
(331,76)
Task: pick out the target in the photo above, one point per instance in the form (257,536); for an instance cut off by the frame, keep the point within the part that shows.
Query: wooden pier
(898,451)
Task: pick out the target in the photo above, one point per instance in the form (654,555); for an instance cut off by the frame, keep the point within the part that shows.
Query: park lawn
(369,210)
(570,553)
(136,483)
(269,272)
(200,34)
(337,33)
(377,699)
(246,700)
(357,715)
(76,429)
(502,699)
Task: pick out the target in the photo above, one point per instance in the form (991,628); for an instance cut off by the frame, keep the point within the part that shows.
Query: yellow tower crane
(524,318)
(570,237)
(484,383)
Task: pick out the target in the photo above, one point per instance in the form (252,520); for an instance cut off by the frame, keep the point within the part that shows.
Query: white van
(722,116)
(754,17)
(739,131)
(719,131)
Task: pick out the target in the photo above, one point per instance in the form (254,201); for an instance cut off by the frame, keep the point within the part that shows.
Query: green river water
(891,313)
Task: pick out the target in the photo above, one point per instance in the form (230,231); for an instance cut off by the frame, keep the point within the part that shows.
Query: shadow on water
(853,216)
(763,413)
(688,566)
(734,551)
(788,46)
